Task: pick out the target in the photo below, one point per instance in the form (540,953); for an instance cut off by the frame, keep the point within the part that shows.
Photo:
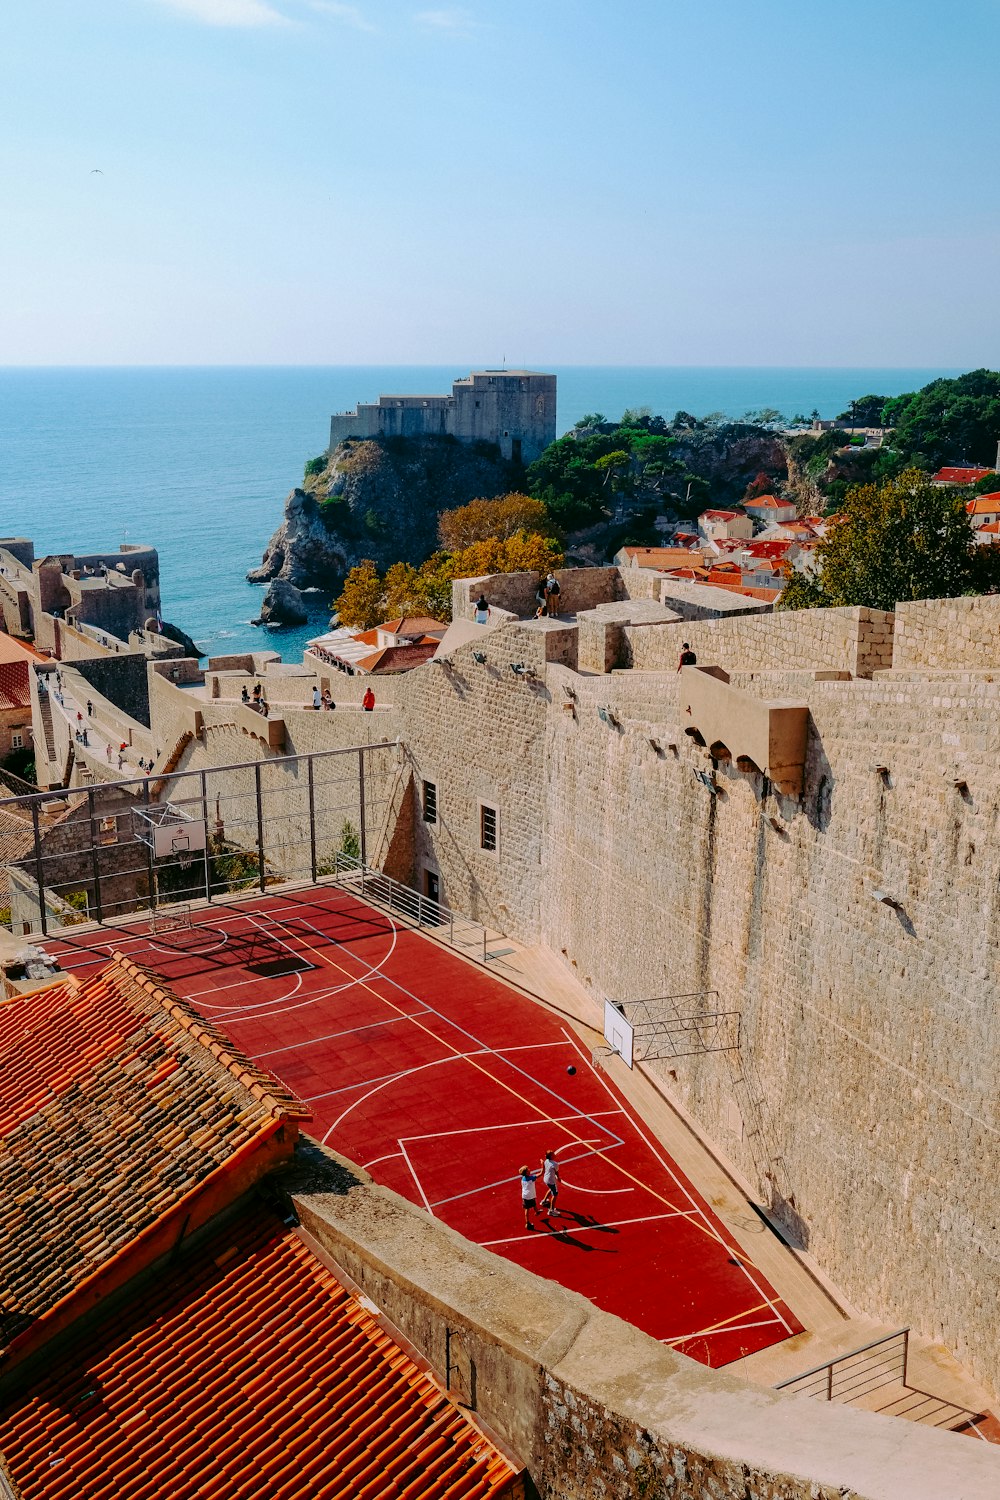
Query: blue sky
(557,181)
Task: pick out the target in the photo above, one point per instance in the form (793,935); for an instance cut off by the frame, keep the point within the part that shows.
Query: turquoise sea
(197,461)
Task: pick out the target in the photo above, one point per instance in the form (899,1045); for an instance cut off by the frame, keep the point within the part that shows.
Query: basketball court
(442,1081)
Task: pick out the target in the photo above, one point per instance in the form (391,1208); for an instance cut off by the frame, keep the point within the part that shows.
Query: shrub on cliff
(905,539)
(482,519)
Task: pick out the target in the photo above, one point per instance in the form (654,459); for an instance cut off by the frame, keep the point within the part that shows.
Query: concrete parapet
(947,633)
(594,1407)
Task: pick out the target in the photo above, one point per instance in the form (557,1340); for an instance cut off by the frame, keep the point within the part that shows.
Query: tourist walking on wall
(529,1197)
(327,700)
(687,657)
(90,709)
(552,592)
(317,698)
(482,610)
(244,694)
(541,599)
(550,1176)
(368,701)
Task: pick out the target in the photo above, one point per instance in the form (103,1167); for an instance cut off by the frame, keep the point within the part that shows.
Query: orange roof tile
(658,557)
(117,1101)
(768,502)
(959,475)
(719,515)
(244,1368)
(14,686)
(983,505)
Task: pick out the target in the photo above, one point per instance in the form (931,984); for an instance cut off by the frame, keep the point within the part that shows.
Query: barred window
(488,828)
(430,802)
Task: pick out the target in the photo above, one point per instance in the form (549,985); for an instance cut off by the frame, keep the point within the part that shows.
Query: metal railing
(463,933)
(851,1376)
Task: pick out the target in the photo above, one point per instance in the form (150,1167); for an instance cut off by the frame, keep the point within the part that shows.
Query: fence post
(260,828)
(154,894)
(361,801)
(312,818)
(906,1352)
(204,814)
(95,864)
(829,1381)
(39,877)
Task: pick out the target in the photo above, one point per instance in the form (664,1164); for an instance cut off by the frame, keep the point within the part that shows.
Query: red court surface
(441,1081)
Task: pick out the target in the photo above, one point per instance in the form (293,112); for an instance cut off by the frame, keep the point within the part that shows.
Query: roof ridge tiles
(264,1086)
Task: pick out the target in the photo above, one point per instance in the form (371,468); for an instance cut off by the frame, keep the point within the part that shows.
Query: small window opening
(488,829)
(430,802)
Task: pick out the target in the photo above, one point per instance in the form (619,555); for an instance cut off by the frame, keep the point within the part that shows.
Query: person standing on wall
(687,657)
(482,614)
(552,592)
(368,701)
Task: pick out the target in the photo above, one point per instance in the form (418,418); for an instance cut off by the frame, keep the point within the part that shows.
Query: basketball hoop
(600,1056)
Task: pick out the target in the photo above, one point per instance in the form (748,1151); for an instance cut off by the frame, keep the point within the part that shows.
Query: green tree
(315,465)
(948,421)
(905,539)
(360,603)
(866,411)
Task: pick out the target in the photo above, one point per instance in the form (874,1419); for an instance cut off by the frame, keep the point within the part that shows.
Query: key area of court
(441,1081)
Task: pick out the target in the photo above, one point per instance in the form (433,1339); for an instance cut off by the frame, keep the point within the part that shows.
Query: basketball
(571,1070)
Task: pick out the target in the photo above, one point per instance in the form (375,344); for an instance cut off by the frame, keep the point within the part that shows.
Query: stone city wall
(942,634)
(597,1410)
(858,641)
(581,588)
(870,1033)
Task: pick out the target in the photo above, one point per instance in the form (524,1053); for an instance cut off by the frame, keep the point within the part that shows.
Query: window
(488,828)
(17,740)
(430,802)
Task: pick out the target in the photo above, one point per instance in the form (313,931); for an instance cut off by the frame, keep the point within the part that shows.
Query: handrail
(385,890)
(828,1367)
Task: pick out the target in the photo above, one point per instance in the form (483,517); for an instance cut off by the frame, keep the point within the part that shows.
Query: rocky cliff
(377,499)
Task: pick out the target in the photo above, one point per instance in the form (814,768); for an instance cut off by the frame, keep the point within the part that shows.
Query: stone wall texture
(945,633)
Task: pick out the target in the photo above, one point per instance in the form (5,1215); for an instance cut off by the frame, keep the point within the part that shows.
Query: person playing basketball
(550,1176)
(529,1197)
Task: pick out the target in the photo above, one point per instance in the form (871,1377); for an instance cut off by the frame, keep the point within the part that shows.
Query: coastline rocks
(283,605)
(302,551)
(174,633)
(378,499)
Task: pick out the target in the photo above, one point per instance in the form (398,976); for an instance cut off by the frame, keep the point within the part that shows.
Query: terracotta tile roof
(245,1370)
(959,475)
(992,528)
(984,505)
(719,515)
(116,1100)
(398,658)
(774,551)
(412,625)
(767,502)
(12,650)
(17,840)
(657,557)
(14,689)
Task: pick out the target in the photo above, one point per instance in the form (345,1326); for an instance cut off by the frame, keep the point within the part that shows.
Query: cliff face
(379,500)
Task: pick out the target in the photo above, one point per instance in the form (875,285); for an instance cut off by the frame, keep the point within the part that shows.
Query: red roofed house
(769,508)
(660,558)
(960,476)
(717,525)
(983,510)
(15,695)
(194,1343)
(395,646)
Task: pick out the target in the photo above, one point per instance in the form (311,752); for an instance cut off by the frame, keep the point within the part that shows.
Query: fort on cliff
(515,409)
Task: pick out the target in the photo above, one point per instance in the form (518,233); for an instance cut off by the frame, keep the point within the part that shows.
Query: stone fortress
(802,827)
(514,409)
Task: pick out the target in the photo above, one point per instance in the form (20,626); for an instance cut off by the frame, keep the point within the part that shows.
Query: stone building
(515,409)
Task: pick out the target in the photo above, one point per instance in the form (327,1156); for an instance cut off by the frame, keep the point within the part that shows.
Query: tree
(526,552)
(905,539)
(761,484)
(948,421)
(865,412)
(403,592)
(485,518)
(359,605)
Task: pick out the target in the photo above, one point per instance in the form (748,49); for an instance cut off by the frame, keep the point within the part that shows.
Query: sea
(197,461)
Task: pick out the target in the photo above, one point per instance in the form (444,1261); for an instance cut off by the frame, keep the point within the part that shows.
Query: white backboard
(618,1032)
(171,839)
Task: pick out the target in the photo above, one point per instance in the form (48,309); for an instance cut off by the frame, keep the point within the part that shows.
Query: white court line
(380,1083)
(332,1035)
(512,1177)
(389,1156)
(698,1210)
(413,1174)
(687,1338)
(576,1229)
(434,1135)
(575,1187)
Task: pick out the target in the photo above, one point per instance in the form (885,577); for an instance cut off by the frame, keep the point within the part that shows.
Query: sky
(550,181)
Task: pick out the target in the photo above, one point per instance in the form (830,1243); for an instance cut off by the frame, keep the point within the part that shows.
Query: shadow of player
(565,1237)
(588,1221)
